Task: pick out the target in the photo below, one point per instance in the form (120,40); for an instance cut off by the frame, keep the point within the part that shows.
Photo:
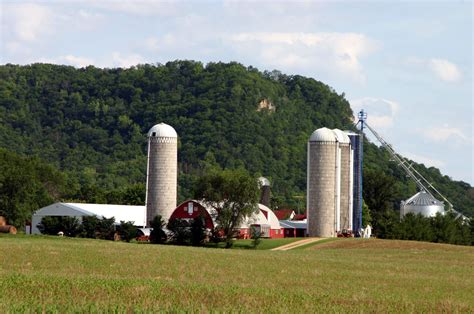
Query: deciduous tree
(234,196)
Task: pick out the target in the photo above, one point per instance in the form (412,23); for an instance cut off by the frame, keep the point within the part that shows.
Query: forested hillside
(91,124)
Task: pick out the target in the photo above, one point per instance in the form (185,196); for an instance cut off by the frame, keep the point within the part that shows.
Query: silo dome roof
(322,135)
(162,130)
(422,199)
(341,137)
(263,181)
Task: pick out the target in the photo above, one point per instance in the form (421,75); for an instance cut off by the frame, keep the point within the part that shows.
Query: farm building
(192,209)
(265,219)
(273,221)
(79,210)
(294,228)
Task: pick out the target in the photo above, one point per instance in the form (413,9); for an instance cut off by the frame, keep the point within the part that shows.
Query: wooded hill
(91,124)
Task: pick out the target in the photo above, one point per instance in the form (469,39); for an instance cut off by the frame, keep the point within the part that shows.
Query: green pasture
(52,274)
(265,244)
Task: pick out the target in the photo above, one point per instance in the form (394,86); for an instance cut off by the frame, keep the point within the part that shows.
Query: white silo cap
(263,181)
(341,137)
(162,130)
(322,135)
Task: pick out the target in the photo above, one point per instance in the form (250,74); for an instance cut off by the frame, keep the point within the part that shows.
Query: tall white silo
(345,186)
(321,185)
(162,172)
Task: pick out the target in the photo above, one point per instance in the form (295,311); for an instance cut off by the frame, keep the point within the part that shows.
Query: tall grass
(49,274)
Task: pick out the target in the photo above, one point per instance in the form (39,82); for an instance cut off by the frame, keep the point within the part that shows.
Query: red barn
(192,209)
(265,220)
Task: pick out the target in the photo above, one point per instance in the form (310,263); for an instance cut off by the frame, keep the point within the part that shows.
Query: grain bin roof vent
(162,130)
(422,199)
(341,137)
(323,135)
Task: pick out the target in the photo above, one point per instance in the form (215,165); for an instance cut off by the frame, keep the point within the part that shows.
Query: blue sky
(408,64)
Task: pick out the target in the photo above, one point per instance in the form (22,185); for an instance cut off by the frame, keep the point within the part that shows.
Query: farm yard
(42,273)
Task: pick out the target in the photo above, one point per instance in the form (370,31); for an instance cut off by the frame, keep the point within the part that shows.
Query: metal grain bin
(422,203)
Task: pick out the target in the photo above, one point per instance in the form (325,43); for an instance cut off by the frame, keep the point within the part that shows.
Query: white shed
(119,212)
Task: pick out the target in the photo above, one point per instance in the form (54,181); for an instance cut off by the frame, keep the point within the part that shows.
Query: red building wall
(192,209)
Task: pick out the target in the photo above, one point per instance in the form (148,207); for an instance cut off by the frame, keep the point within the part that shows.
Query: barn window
(190,208)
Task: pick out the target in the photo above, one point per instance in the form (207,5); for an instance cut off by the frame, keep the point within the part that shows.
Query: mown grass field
(265,244)
(349,275)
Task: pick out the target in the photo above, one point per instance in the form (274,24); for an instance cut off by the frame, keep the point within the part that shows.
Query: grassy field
(265,244)
(349,275)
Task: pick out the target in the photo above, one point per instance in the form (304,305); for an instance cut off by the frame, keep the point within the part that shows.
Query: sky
(408,64)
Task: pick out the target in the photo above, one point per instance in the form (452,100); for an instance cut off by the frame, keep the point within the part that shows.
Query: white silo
(321,184)
(345,186)
(162,172)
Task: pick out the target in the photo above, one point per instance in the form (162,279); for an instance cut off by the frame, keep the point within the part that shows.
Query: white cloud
(339,53)
(76,61)
(28,21)
(445,70)
(442,69)
(116,59)
(119,60)
(88,15)
(137,7)
(381,112)
(164,42)
(15,47)
(429,162)
(444,133)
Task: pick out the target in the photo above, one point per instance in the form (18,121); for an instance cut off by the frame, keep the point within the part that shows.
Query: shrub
(105,228)
(53,224)
(256,236)
(198,231)
(180,231)
(127,230)
(157,235)
(89,227)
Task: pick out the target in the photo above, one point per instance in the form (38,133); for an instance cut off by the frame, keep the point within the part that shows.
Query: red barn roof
(299,217)
(284,214)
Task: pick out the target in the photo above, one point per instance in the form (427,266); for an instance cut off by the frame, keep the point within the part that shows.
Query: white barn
(119,212)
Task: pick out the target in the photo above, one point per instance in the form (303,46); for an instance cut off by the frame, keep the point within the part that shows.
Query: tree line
(445,228)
